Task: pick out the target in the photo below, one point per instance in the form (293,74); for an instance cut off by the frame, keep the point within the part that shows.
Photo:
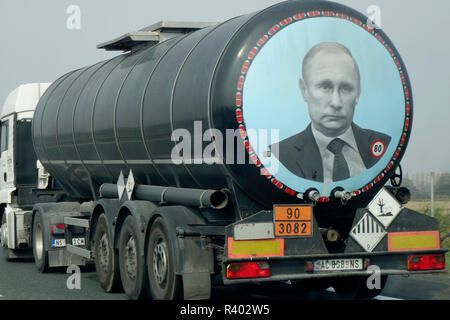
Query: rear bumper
(293,267)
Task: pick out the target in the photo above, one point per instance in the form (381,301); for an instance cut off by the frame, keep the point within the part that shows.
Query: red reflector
(426,262)
(309,267)
(57,228)
(248,270)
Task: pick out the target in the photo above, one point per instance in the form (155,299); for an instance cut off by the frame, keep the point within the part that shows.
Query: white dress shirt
(350,152)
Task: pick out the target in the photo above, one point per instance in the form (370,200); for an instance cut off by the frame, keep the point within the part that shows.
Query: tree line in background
(420,185)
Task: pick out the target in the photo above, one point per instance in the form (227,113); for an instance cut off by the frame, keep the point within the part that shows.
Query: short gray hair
(330,47)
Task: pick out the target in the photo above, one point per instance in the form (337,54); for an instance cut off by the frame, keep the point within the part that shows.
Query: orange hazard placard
(292,220)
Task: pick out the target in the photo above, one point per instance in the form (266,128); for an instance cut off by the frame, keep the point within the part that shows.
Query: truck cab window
(4,136)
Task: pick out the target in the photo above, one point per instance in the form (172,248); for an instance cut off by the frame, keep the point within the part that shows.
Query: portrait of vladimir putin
(332,147)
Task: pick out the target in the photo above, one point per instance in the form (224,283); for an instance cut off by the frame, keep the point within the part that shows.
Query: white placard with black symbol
(130,184)
(384,207)
(120,185)
(368,232)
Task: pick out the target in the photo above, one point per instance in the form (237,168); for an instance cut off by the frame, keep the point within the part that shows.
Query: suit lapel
(362,139)
(308,157)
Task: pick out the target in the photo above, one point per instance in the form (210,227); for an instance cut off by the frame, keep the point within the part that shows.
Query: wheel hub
(104,253)
(130,258)
(160,262)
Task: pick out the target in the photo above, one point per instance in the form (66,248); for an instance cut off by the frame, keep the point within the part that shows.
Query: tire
(39,252)
(164,283)
(366,293)
(106,258)
(356,287)
(311,284)
(347,287)
(133,268)
(4,238)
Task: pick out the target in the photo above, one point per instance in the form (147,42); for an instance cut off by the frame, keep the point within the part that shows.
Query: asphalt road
(19,280)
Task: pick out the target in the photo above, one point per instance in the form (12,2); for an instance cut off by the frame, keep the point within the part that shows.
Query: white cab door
(6,158)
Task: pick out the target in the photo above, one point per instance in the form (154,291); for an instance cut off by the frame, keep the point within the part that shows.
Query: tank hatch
(152,35)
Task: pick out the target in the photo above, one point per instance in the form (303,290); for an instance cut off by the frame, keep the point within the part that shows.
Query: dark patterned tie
(340,167)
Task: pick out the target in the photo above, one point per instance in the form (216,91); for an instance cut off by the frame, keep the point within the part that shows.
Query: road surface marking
(330,289)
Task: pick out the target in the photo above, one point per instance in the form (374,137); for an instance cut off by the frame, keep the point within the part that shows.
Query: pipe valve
(343,195)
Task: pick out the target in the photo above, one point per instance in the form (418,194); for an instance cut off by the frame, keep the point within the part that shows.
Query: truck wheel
(347,287)
(356,287)
(106,259)
(366,293)
(133,269)
(39,252)
(311,284)
(164,283)
(4,238)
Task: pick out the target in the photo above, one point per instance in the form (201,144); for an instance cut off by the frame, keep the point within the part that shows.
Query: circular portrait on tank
(326,101)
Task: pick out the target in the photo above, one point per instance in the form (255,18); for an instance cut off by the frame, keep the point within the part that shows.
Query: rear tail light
(426,262)
(309,267)
(241,270)
(57,228)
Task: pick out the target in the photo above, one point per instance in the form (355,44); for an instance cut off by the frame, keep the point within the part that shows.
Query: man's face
(331,89)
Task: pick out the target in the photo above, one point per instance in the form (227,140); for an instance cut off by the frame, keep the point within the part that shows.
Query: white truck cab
(18,165)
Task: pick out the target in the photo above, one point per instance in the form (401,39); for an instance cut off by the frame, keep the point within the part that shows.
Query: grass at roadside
(440,206)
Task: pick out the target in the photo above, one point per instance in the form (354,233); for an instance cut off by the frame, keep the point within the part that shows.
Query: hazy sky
(37,46)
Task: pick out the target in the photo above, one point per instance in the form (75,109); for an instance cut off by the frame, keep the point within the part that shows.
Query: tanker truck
(262,149)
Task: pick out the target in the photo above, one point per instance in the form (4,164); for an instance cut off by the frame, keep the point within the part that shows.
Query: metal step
(79,251)
(84,223)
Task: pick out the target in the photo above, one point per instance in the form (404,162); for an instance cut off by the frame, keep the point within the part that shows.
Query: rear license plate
(78,242)
(338,264)
(292,220)
(57,243)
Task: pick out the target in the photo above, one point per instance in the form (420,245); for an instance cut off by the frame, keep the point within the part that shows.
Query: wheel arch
(193,260)
(96,212)
(123,213)
(143,213)
(51,213)
(184,248)
(110,208)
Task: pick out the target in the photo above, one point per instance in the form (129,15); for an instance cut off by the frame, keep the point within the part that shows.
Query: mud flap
(197,286)
(63,258)
(193,259)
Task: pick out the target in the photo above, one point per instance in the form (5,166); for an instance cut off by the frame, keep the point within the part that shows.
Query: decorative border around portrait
(240,85)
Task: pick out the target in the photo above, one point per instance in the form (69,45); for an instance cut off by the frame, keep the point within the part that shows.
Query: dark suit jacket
(300,153)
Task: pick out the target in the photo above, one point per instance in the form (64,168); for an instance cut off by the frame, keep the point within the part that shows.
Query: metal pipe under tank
(216,199)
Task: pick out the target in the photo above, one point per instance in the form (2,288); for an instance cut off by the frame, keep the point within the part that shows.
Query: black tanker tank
(312,92)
